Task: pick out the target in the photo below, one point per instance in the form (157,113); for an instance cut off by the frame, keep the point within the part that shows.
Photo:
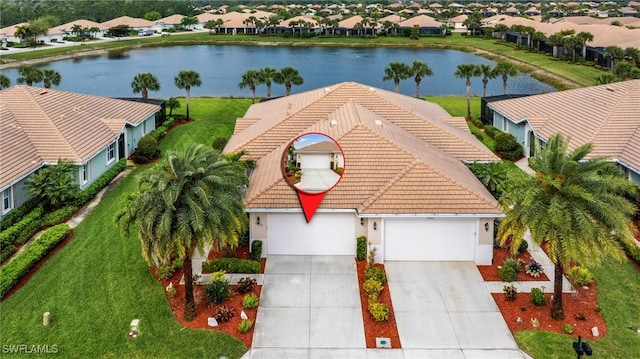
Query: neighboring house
(426,24)
(325,154)
(405,185)
(607,116)
(58,33)
(40,126)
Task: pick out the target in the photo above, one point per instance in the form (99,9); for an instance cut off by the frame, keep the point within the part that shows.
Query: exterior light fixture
(486,226)
(362,221)
(375,226)
(258,220)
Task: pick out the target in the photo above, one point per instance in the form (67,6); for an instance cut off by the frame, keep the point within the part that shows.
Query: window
(7,200)
(85,173)
(111,152)
(144,128)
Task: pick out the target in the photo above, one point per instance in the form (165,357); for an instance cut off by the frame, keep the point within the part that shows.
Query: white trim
(7,194)
(108,150)
(379,215)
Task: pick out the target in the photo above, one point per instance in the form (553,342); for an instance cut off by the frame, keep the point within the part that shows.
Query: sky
(309,139)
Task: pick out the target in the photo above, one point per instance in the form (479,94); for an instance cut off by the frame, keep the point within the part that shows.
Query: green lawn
(98,283)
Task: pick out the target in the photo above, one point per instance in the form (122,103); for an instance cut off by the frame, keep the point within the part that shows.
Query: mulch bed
(241,253)
(373,329)
(490,273)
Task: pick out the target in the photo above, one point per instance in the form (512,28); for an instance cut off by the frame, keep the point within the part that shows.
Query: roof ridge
(371,200)
(629,89)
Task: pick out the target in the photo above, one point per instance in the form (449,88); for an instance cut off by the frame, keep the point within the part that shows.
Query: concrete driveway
(445,310)
(308,302)
(317,179)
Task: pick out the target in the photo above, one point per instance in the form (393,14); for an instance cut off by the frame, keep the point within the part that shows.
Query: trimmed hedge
(59,216)
(88,193)
(361,248)
(507,147)
(17,214)
(256,250)
(147,149)
(7,252)
(231,265)
(11,234)
(11,273)
(491,131)
(632,250)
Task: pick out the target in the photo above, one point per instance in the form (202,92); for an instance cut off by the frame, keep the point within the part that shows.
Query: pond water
(221,68)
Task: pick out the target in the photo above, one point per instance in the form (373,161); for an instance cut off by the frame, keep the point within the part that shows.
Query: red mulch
(204,309)
(490,273)
(585,303)
(35,268)
(373,329)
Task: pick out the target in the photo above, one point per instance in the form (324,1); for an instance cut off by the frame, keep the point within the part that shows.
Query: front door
(121,153)
(532,144)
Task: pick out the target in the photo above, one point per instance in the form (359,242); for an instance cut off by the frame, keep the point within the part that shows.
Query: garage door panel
(326,234)
(433,239)
(315,161)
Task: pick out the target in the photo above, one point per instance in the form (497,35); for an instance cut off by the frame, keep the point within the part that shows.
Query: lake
(221,68)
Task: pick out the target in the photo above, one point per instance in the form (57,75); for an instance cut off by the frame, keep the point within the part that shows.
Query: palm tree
(250,79)
(172,103)
(626,70)
(420,69)
(487,73)
(397,71)
(505,69)
(5,82)
(288,76)
(184,80)
(267,75)
(54,186)
(614,53)
(467,71)
(143,82)
(51,77)
(606,78)
(584,37)
(193,201)
(29,75)
(577,206)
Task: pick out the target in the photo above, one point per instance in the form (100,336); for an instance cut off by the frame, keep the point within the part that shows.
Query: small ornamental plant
(534,269)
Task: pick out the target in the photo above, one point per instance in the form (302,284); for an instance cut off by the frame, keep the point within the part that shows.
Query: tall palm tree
(193,201)
(467,71)
(143,82)
(505,69)
(250,79)
(487,73)
(5,82)
(185,80)
(577,206)
(397,71)
(584,37)
(288,76)
(29,75)
(420,69)
(51,77)
(267,75)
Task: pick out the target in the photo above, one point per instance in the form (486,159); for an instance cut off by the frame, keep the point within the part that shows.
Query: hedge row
(7,252)
(17,214)
(231,265)
(161,131)
(11,234)
(632,250)
(87,194)
(11,273)
(59,216)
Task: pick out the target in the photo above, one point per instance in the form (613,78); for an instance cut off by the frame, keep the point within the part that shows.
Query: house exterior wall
(484,247)
(134,134)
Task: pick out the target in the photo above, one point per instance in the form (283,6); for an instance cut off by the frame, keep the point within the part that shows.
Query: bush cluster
(361,248)
(165,271)
(161,131)
(256,252)
(510,292)
(88,193)
(507,274)
(379,311)
(373,272)
(59,216)
(17,214)
(507,147)
(147,149)
(245,325)
(250,301)
(218,143)
(246,284)
(579,276)
(537,297)
(27,224)
(6,253)
(11,273)
(217,291)
(231,265)
(491,131)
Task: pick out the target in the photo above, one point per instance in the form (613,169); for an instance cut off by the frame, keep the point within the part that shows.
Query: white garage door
(315,161)
(429,239)
(326,234)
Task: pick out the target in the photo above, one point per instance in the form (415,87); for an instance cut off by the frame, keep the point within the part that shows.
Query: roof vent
(372,89)
(43,92)
(378,123)
(609,88)
(333,123)
(327,89)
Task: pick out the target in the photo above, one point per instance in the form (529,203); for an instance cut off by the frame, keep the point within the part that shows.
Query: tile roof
(606,115)
(129,21)
(323,146)
(40,126)
(402,155)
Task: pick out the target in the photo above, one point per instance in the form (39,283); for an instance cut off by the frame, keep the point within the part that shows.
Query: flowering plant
(534,269)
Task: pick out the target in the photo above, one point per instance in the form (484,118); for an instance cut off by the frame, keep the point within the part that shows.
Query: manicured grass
(618,292)
(457,105)
(99,282)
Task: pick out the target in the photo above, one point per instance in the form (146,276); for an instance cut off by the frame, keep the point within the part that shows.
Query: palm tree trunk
(145,93)
(397,85)
(268,91)
(468,100)
(485,81)
(557,311)
(188,100)
(189,302)
(287,90)
(418,89)
(47,84)
(253,96)
(504,84)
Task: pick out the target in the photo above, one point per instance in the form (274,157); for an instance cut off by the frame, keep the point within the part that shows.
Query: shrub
(537,297)
(217,291)
(534,269)
(224,314)
(379,311)
(372,286)
(568,328)
(361,248)
(59,216)
(228,252)
(514,263)
(477,123)
(507,147)
(256,251)
(29,231)
(373,272)
(580,316)
(507,274)
(165,271)
(246,284)
(232,265)
(579,276)
(524,245)
(491,131)
(250,301)
(159,133)
(17,214)
(245,325)
(88,193)
(478,136)
(243,239)
(147,149)
(510,292)
(27,224)
(219,143)
(11,273)
(6,253)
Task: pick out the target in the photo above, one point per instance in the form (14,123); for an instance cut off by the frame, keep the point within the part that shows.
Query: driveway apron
(446,306)
(309,302)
